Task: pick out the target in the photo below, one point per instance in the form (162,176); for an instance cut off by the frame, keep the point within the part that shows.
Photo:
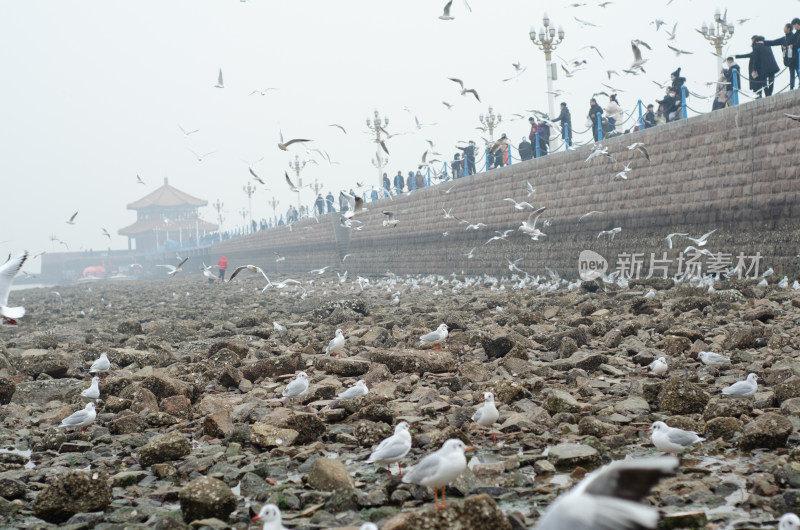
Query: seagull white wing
(681,437)
(7,272)
(77,418)
(295,388)
(391,448)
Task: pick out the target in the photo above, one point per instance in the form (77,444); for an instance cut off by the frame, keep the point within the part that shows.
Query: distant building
(166,218)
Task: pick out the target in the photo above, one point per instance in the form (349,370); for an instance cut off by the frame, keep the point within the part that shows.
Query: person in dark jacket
(565,118)
(457,166)
(669,105)
(762,67)
(786,42)
(319,204)
(399,182)
(329,201)
(544,138)
(525,149)
(387,186)
(468,158)
(419,180)
(733,71)
(595,114)
(649,118)
(678,82)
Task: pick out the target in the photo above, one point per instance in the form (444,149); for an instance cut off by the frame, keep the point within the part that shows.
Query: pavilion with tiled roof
(166,215)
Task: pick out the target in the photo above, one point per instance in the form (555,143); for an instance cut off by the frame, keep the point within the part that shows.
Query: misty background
(94,92)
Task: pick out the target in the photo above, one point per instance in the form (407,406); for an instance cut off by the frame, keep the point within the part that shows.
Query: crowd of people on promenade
(604,122)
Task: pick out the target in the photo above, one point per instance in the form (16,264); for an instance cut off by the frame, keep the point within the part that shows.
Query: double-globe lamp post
(376,127)
(547,42)
(718,33)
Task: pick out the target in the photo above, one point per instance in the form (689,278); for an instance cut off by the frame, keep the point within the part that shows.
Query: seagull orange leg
(494,436)
(444,503)
(435,498)
(389,470)
(399,469)
(437,347)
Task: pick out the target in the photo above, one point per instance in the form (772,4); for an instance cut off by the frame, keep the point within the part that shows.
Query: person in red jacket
(222,265)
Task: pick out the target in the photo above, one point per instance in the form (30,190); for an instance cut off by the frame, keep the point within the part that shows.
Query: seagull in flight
(501,236)
(465,91)
(7,272)
(187,133)
(585,23)
(640,148)
(638,62)
(139,180)
(355,204)
(446,12)
(529,226)
(531,190)
(285,146)
(262,92)
(609,233)
(172,269)
(672,33)
(679,52)
(320,271)
(702,240)
(670,236)
(254,269)
(292,187)
(72,219)
(339,126)
(519,205)
(623,175)
(105,233)
(278,257)
(219,84)
(471,253)
(250,169)
(201,157)
(389,220)
(595,49)
(584,216)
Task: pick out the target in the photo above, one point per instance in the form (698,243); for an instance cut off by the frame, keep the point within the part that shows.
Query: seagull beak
(468,448)
(256,518)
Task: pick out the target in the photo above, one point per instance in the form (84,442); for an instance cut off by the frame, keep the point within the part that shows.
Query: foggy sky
(93,92)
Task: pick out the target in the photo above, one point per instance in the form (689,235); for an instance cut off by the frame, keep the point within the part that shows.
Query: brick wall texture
(734,170)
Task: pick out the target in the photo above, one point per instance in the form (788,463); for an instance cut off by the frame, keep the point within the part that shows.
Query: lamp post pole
(490,120)
(218,206)
(718,33)
(547,42)
(375,126)
(249,190)
(274,203)
(298,166)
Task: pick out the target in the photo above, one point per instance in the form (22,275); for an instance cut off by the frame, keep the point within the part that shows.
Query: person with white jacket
(613,112)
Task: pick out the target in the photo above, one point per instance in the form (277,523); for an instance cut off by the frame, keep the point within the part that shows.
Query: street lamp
(375,126)
(274,203)
(490,121)
(249,190)
(547,42)
(717,33)
(218,206)
(298,166)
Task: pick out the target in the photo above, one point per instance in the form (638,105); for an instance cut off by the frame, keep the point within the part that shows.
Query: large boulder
(7,389)
(328,474)
(204,498)
(162,386)
(74,492)
(273,366)
(35,362)
(501,342)
(41,392)
(269,436)
(725,407)
(561,401)
(163,448)
(679,396)
(479,511)
(344,367)
(417,361)
(569,455)
(743,337)
(768,431)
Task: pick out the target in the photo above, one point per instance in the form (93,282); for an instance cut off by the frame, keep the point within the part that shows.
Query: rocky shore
(192,430)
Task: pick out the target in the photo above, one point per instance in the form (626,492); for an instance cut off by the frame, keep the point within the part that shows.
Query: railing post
(735,79)
(487,159)
(428,176)
(683,101)
(566,137)
(599,127)
(641,121)
(536,144)
(413,185)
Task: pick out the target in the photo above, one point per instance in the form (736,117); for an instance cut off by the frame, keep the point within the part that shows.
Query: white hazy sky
(93,92)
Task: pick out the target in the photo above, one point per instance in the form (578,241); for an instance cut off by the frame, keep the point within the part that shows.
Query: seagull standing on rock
(359,389)
(393,449)
(82,418)
(436,337)
(659,367)
(440,468)
(298,387)
(101,365)
(487,415)
(336,345)
(271,515)
(93,392)
(741,389)
(670,439)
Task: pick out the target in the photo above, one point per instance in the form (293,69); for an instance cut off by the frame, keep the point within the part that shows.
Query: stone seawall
(734,170)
